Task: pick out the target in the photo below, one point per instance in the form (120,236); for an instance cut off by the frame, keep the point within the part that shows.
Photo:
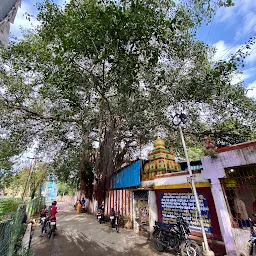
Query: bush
(9,205)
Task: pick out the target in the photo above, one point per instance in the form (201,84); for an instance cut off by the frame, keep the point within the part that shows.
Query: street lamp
(178,119)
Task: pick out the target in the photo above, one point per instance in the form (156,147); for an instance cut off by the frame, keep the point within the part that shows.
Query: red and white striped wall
(120,200)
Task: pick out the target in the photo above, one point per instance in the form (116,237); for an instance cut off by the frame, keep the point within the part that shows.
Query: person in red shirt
(52,214)
(53,210)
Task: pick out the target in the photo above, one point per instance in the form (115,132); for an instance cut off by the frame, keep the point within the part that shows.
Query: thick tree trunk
(105,160)
(85,169)
(82,171)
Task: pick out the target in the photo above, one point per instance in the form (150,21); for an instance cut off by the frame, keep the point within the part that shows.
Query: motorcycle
(117,220)
(112,219)
(252,241)
(175,237)
(100,215)
(51,224)
(43,214)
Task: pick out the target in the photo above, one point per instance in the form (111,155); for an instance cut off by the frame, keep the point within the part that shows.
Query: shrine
(161,161)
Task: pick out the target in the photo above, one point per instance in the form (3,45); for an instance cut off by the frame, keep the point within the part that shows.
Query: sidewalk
(81,234)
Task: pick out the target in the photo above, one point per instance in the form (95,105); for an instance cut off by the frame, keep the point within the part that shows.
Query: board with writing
(184,204)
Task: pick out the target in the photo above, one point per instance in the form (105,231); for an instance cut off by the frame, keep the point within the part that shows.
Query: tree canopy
(112,73)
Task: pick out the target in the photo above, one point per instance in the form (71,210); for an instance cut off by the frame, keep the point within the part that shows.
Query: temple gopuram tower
(161,161)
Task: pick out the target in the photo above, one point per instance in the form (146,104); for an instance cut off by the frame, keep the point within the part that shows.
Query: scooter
(112,220)
(100,215)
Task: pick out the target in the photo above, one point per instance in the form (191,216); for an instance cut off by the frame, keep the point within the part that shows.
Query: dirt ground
(81,234)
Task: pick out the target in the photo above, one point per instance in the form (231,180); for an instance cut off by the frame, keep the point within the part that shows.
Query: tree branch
(44,117)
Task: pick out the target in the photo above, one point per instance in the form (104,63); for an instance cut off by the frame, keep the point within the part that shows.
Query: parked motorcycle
(252,241)
(117,221)
(112,218)
(175,237)
(100,215)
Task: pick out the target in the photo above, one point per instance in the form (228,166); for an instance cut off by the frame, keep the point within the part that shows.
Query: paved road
(81,234)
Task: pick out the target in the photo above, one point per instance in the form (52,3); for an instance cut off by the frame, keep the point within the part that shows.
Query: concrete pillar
(153,213)
(134,211)
(223,217)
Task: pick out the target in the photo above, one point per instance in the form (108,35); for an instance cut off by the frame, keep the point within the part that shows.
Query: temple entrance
(141,210)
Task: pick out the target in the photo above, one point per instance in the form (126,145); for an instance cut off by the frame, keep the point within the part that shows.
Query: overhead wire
(238,40)
(212,21)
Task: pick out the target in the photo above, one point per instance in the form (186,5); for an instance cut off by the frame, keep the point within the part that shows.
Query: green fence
(33,207)
(12,228)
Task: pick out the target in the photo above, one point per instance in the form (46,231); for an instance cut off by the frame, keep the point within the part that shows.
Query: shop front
(232,173)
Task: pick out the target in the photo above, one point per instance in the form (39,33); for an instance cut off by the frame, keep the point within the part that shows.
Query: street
(81,234)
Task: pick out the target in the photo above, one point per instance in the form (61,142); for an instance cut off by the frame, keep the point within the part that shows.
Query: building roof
(237,146)
(8,11)
(6,7)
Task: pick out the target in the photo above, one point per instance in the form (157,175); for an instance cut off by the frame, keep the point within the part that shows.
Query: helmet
(54,202)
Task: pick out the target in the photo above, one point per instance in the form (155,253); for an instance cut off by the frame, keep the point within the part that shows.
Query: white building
(8,11)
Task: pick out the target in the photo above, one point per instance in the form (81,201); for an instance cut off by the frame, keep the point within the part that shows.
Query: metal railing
(12,228)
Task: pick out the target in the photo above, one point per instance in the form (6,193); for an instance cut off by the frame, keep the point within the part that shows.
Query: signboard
(184,204)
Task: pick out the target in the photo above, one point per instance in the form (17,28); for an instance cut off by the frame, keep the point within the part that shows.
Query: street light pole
(206,248)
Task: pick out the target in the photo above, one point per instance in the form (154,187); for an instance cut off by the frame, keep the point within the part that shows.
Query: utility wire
(238,40)
(212,21)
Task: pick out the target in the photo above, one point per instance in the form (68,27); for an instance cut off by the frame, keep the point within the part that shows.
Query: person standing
(83,205)
(79,206)
(241,212)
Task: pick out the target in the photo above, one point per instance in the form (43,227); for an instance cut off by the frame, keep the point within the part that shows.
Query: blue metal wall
(129,176)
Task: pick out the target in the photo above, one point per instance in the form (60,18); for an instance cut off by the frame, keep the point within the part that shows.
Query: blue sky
(229,30)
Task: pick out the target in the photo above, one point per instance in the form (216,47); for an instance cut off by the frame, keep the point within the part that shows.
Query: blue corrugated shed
(129,176)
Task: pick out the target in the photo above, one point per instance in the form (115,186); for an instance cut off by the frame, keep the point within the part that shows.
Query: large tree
(113,72)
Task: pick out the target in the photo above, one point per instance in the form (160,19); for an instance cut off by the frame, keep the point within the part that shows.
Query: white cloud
(245,75)
(248,25)
(224,50)
(21,21)
(252,57)
(243,14)
(62,2)
(251,90)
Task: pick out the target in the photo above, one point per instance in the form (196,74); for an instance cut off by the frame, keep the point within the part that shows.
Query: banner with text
(184,204)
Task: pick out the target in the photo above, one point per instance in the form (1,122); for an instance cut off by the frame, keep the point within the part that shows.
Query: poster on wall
(143,211)
(184,204)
